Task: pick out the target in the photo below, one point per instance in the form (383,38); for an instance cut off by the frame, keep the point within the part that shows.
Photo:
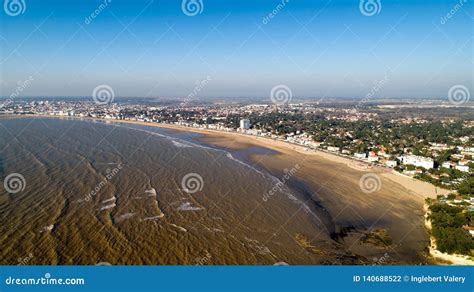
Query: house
(373,157)
(360,155)
(391,163)
(383,153)
(334,149)
(469,229)
(463,168)
(439,146)
(458,199)
(447,164)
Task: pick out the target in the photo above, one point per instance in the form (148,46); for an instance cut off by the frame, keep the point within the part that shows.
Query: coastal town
(432,144)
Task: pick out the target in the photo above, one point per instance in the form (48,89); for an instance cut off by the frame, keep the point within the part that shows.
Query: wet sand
(355,227)
(332,182)
(416,187)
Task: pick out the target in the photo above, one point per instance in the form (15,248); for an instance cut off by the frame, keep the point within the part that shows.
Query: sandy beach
(394,205)
(233,140)
(383,216)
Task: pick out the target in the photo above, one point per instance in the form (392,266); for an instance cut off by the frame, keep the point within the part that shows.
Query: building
(458,200)
(245,124)
(446,164)
(418,161)
(334,149)
(373,157)
(360,155)
(382,153)
(391,163)
(469,229)
(463,168)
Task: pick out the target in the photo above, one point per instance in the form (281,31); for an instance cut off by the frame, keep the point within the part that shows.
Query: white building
(334,149)
(463,168)
(245,124)
(360,155)
(391,163)
(446,164)
(419,161)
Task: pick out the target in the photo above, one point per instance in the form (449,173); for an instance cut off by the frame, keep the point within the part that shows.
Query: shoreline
(419,188)
(333,184)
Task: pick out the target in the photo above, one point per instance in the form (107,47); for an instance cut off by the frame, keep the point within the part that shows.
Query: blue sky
(150,48)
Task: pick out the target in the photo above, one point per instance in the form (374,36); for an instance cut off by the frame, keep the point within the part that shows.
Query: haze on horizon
(151,48)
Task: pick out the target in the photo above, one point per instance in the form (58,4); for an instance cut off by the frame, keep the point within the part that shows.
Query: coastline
(419,188)
(332,182)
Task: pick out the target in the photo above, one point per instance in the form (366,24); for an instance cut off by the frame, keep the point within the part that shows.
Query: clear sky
(151,48)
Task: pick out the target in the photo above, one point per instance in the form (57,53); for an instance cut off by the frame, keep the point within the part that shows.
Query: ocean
(88,193)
